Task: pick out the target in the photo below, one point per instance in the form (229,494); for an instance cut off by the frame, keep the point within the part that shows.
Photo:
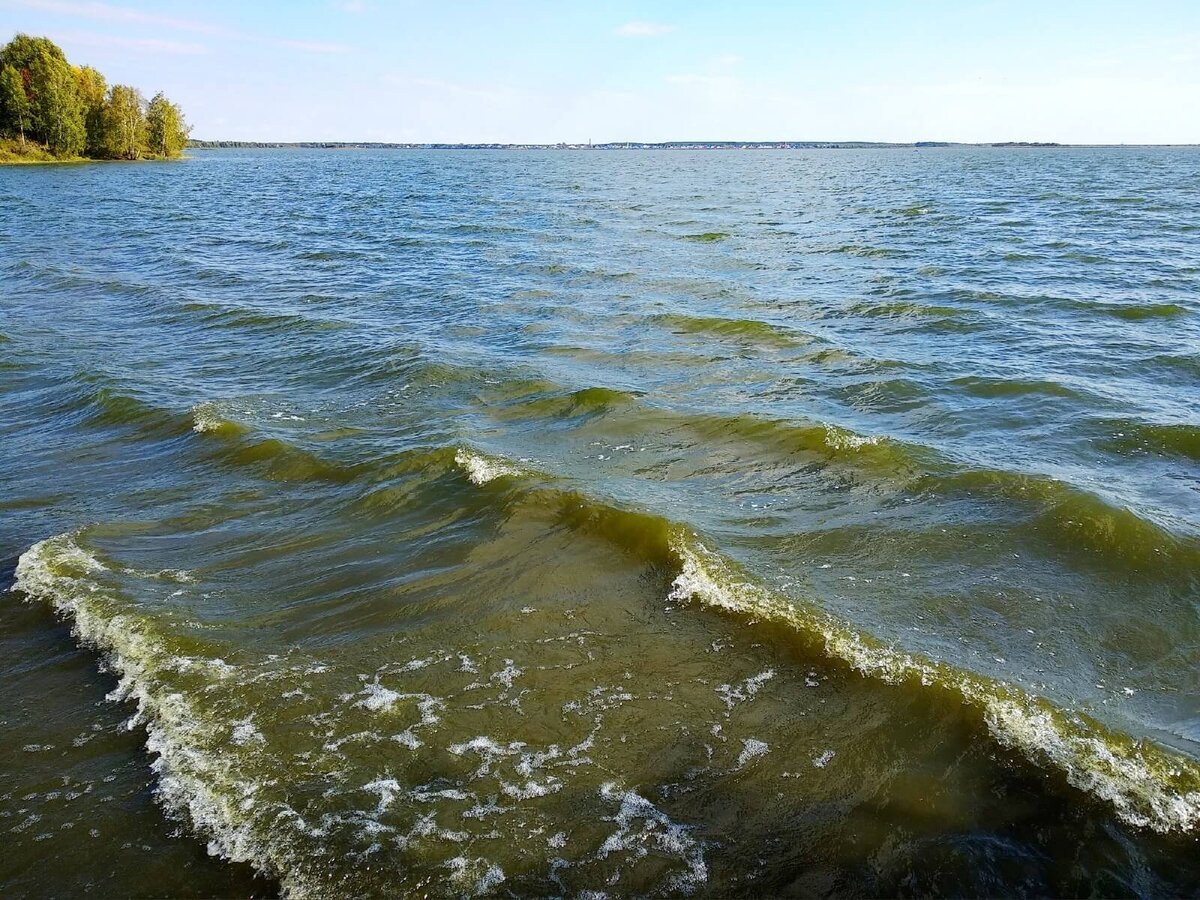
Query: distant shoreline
(665,145)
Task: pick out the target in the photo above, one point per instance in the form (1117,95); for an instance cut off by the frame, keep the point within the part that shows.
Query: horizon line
(200,143)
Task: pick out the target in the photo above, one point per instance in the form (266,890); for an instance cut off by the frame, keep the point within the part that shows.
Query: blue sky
(542,71)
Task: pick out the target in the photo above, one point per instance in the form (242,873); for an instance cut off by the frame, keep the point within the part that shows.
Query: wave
(482,469)
(983,386)
(1131,311)
(1137,312)
(1146,785)
(206,420)
(108,407)
(1186,364)
(56,277)
(1169,439)
(332,255)
(95,401)
(204,788)
(863,251)
(748,330)
(211,781)
(707,237)
(586,402)
(1057,512)
(216,315)
(1079,522)
(1074,519)
(922,316)
(907,308)
(629,411)
(274,458)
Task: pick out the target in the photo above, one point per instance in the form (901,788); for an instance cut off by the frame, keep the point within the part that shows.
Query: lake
(602,523)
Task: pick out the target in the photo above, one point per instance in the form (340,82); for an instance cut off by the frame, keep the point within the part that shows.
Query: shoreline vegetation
(54,112)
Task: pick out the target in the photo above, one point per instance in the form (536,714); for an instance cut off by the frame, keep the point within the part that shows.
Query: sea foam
(1147,786)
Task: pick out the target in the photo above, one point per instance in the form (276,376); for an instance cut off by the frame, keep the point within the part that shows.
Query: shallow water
(645,523)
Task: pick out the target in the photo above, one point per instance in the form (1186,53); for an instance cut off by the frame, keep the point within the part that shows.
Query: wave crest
(1148,787)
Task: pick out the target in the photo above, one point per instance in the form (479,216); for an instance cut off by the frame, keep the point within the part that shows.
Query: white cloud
(307,46)
(708,81)
(104,12)
(492,93)
(107,12)
(140,45)
(644,29)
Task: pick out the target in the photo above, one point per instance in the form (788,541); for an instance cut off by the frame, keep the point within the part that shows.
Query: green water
(624,523)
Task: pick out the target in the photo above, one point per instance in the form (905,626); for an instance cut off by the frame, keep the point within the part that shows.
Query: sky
(544,71)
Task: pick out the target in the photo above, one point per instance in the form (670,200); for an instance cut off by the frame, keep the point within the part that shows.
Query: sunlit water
(624,523)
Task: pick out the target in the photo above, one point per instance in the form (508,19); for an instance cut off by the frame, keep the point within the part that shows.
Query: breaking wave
(1146,785)
(209,775)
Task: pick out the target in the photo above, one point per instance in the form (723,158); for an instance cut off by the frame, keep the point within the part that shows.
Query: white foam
(388,790)
(476,876)
(531,788)
(752,748)
(1138,778)
(207,788)
(642,827)
(508,674)
(423,795)
(488,751)
(377,698)
(246,732)
(414,665)
(480,470)
(205,419)
(844,439)
(746,690)
(482,810)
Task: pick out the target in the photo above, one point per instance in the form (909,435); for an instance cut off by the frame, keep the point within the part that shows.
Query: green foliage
(22,51)
(93,89)
(13,151)
(54,113)
(124,123)
(58,112)
(167,131)
(72,111)
(14,103)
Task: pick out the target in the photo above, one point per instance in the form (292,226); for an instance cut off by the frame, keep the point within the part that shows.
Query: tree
(72,110)
(57,105)
(22,51)
(13,100)
(124,122)
(38,61)
(93,90)
(166,128)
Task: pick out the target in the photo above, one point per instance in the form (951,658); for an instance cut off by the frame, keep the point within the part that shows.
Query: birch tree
(124,122)
(13,100)
(167,130)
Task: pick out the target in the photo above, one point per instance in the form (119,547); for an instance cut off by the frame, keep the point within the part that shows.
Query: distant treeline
(615,145)
(70,111)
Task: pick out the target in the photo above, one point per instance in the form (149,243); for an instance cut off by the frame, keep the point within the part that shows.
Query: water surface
(645,523)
